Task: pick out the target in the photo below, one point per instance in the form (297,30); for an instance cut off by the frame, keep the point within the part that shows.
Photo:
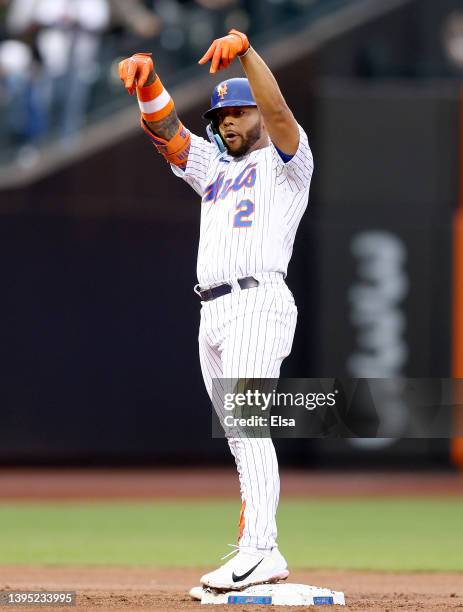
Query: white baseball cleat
(247,568)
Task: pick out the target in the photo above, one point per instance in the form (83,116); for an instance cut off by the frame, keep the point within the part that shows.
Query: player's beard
(248,141)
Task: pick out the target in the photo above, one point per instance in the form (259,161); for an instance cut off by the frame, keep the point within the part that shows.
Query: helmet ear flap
(212,130)
(214,136)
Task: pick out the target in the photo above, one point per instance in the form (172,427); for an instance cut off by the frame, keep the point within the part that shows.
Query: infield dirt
(135,589)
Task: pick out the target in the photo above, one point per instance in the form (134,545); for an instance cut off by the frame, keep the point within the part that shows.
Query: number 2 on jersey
(244,210)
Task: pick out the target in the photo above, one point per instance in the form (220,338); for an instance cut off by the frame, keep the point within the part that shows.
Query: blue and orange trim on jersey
(284,156)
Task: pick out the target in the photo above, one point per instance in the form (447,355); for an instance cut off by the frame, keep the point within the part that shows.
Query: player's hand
(224,50)
(136,71)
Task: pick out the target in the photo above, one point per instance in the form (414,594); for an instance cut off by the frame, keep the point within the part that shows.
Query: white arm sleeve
(199,159)
(295,174)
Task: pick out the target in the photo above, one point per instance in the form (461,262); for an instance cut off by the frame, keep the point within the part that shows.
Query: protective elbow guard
(176,149)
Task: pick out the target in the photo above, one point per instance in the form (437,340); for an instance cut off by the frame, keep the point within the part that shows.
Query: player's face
(241,129)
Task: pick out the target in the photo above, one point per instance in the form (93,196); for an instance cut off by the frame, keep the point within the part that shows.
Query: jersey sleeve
(200,156)
(295,174)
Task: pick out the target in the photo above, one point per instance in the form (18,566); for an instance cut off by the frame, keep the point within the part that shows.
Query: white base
(274,594)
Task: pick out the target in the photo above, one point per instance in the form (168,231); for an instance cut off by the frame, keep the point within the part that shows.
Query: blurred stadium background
(98,317)
(99,320)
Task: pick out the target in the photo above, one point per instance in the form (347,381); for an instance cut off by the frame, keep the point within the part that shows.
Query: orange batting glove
(224,50)
(135,71)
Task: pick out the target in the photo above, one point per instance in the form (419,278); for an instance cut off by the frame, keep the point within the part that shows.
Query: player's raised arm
(279,120)
(159,117)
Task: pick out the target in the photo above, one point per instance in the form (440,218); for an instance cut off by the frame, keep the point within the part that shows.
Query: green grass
(394,535)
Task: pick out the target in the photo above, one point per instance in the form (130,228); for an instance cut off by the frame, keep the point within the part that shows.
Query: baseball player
(253,178)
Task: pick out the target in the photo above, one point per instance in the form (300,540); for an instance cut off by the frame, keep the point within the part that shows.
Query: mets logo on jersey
(222,91)
(219,189)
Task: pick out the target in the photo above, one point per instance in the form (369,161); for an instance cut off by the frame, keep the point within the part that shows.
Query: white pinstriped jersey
(251,208)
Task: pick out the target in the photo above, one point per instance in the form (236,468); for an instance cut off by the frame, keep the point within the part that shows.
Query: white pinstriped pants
(247,334)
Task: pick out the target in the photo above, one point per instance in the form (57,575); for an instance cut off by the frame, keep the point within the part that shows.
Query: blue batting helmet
(232,92)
